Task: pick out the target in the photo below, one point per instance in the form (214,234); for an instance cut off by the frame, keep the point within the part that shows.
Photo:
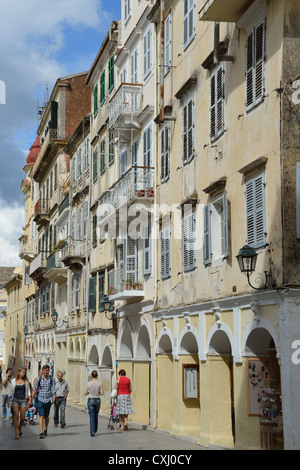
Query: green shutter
(102,89)
(92,294)
(101,291)
(96,100)
(111,73)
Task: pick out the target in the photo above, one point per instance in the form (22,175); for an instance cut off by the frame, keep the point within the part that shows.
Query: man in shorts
(44,389)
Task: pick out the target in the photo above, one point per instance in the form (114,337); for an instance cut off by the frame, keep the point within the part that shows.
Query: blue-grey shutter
(255,211)
(147,249)
(188,242)
(298,198)
(224,229)
(101,291)
(207,238)
(165,253)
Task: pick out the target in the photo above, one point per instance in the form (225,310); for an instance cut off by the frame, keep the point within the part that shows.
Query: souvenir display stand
(270,410)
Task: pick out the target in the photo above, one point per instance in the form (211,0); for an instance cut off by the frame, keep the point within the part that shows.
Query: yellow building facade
(181,160)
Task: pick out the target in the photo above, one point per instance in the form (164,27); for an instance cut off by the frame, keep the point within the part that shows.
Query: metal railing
(73,248)
(137,182)
(126,102)
(121,280)
(37,263)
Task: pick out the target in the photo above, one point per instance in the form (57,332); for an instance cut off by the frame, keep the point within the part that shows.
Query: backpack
(51,380)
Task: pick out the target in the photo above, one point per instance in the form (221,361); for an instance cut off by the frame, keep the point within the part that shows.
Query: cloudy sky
(40,41)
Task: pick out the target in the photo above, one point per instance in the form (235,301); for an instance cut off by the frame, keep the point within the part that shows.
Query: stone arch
(220,341)
(94,356)
(143,344)
(164,342)
(107,358)
(71,349)
(257,338)
(188,342)
(125,349)
(77,348)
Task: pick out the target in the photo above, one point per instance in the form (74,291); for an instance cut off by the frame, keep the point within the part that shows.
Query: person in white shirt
(6,383)
(62,392)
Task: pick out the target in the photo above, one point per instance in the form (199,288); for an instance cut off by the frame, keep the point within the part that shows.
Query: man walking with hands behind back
(44,388)
(62,391)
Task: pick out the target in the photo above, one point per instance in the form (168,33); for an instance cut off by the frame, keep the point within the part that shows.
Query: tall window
(165,252)
(127,10)
(255,65)
(168,44)
(147,52)
(188,22)
(216,230)
(217,103)
(102,156)
(165,152)
(255,211)
(111,74)
(188,238)
(188,130)
(96,100)
(102,88)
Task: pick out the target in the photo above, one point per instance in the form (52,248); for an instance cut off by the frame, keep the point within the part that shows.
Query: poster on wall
(257,380)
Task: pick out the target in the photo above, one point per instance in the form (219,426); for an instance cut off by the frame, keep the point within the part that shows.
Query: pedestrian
(30,413)
(20,391)
(94,390)
(124,404)
(6,383)
(35,400)
(62,392)
(44,389)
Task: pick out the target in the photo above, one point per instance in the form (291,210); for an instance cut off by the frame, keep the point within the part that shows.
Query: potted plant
(59,245)
(140,193)
(129,284)
(150,192)
(111,291)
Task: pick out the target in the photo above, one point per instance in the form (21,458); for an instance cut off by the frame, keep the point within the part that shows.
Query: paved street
(76,436)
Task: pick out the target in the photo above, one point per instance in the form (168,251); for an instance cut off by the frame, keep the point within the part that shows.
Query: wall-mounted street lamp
(109,306)
(247,258)
(54,316)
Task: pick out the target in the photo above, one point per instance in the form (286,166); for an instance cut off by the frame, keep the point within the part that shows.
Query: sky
(40,41)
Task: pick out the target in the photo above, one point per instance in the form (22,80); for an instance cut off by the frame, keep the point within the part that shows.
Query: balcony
(26,250)
(136,185)
(125,286)
(125,105)
(219,10)
(37,267)
(42,211)
(73,253)
(55,270)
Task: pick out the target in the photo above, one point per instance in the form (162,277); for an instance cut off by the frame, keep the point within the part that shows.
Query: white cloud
(11,223)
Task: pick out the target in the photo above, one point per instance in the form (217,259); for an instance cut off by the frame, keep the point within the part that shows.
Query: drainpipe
(162,62)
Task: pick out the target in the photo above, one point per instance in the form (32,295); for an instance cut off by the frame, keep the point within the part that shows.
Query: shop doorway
(221,375)
(260,344)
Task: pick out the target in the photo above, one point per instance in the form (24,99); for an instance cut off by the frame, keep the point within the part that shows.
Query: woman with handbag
(19,392)
(124,404)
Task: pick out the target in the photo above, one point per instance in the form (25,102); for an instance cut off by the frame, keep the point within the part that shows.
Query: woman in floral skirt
(124,404)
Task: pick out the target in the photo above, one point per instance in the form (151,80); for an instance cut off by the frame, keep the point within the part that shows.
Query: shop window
(190,379)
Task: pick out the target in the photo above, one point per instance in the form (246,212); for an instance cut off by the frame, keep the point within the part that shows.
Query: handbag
(114,392)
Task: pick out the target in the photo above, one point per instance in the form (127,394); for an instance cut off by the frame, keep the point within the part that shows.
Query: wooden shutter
(101,291)
(255,211)
(84,286)
(102,88)
(255,65)
(95,100)
(92,294)
(188,242)
(217,103)
(111,149)
(147,157)
(131,260)
(188,131)
(147,242)
(134,67)
(188,21)
(123,162)
(165,153)
(165,253)
(259,61)
(168,44)
(95,165)
(111,74)
(79,163)
(102,156)
(207,237)
(147,53)
(224,227)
